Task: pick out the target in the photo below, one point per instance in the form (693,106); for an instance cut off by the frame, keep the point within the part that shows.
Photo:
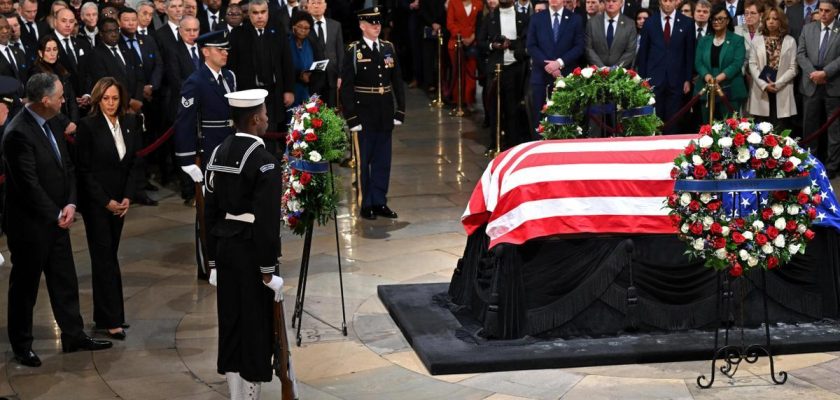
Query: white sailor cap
(247,98)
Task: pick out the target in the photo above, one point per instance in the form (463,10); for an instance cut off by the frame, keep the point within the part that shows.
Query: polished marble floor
(170,350)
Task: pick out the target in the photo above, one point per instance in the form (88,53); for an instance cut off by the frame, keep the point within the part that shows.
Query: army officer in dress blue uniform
(371,84)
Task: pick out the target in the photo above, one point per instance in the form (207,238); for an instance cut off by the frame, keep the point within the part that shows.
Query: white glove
(213,278)
(2,260)
(356,128)
(276,284)
(397,122)
(194,172)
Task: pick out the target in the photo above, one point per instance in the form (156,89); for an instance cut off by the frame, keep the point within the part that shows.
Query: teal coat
(732,55)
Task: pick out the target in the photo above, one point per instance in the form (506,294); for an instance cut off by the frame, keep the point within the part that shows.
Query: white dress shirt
(507,24)
(116,132)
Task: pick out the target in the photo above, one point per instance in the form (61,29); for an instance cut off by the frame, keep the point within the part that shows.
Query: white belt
(247,217)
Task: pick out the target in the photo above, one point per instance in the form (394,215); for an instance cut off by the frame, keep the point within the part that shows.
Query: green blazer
(732,55)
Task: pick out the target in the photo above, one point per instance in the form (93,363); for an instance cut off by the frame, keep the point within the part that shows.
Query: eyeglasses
(721,19)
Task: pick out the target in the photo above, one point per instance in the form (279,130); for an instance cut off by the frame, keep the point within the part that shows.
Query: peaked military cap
(217,39)
(247,98)
(370,15)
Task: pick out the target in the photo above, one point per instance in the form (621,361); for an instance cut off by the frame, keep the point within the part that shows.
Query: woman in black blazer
(107,141)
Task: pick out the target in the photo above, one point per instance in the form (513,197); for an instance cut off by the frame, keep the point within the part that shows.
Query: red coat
(458,22)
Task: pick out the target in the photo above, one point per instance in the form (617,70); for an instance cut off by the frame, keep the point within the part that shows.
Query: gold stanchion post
(459,46)
(438,102)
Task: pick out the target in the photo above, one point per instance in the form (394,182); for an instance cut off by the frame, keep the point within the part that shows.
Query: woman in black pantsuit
(107,141)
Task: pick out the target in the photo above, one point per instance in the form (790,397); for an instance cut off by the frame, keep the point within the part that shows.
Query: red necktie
(667,29)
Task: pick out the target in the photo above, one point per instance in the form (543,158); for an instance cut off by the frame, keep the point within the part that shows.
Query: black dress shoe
(150,187)
(69,345)
(119,335)
(145,200)
(384,211)
(367,213)
(28,358)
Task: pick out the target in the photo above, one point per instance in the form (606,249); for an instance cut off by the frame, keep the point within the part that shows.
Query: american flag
(589,186)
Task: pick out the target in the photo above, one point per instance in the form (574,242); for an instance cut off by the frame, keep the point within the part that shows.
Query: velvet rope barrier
(823,129)
(682,111)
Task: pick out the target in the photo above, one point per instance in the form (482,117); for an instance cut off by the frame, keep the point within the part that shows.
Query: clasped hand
(118,209)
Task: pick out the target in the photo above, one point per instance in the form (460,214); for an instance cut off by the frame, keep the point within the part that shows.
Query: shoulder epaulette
(352,45)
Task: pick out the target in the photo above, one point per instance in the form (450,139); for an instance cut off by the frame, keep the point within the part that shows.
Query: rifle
(203,262)
(282,355)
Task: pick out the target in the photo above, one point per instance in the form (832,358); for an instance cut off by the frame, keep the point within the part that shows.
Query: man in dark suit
(28,48)
(181,60)
(629,8)
(12,61)
(145,15)
(502,38)
(73,54)
(167,35)
(211,16)
(32,27)
(281,15)
(555,43)
(611,38)
(432,15)
(735,8)
(799,15)
(261,59)
(326,34)
(109,58)
(666,57)
(40,208)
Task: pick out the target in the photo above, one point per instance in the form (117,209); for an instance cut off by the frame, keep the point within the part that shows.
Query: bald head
(188,29)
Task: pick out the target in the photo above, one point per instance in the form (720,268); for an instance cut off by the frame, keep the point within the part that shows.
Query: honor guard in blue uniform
(203,122)
(373,98)
(243,214)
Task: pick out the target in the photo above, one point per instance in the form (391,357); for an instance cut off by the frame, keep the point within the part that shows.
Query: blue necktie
(610,34)
(555,27)
(732,10)
(51,138)
(194,57)
(823,47)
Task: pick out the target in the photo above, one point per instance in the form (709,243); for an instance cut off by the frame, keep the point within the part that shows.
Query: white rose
(765,127)
(684,165)
(685,199)
(296,145)
(684,228)
(586,72)
(652,101)
(706,141)
(725,142)
(298,125)
(801,228)
(303,146)
(294,205)
(707,222)
(549,103)
(722,175)
(806,190)
(748,235)
(795,161)
(780,224)
(794,248)
(560,84)
(744,126)
(720,253)
(793,209)
(752,261)
(767,248)
(777,152)
(779,241)
(297,186)
(758,225)
(790,141)
(717,127)
(314,156)
(745,255)
(699,244)
(761,154)
(743,155)
(308,131)
(705,198)
(636,78)
(777,208)
(724,231)
(304,116)
(754,137)
(696,160)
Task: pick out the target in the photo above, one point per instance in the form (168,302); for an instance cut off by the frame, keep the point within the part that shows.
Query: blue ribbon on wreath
(638,112)
(320,167)
(555,119)
(742,185)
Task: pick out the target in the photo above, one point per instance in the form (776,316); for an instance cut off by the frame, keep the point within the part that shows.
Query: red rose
(817,198)
(715,156)
(310,137)
(705,129)
(312,110)
(319,102)
(770,141)
(675,172)
(689,150)
(316,122)
(766,213)
(305,178)
(780,195)
(672,199)
(694,205)
(717,168)
(730,169)
(631,73)
(576,71)
(294,172)
(756,163)
(812,213)
(787,151)
(772,232)
(738,238)
(739,222)
(739,139)
(676,219)
(787,166)
(760,239)
(716,229)
(699,172)
(292,221)
(736,270)
(790,226)
(696,228)
(802,198)
(645,84)
(713,205)
(540,129)
(772,262)
(545,108)
(809,234)
(296,135)
(771,163)
(732,122)
(720,242)
(604,72)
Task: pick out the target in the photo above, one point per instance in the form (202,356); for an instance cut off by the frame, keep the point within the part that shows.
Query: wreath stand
(730,352)
(297,315)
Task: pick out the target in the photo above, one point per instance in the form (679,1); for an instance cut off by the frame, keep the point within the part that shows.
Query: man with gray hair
(145,15)
(701,18)
(40,209)
(90,19)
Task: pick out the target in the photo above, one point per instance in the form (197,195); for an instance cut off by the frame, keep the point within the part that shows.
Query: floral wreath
(598,91)
(316,139)
(715,224)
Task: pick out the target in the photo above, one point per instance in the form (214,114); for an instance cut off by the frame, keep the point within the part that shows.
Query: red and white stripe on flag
(559,187)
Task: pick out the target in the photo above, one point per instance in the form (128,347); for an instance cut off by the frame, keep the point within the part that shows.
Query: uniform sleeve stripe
(267,270)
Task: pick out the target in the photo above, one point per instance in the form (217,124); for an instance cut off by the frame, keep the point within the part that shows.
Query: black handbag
(767,74)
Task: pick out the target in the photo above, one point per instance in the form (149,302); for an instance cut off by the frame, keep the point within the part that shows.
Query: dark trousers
(668,102)
(51,254)
(103,231)
(538,95)
(817,109)
(245,309)
(513,123)
(374,167)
